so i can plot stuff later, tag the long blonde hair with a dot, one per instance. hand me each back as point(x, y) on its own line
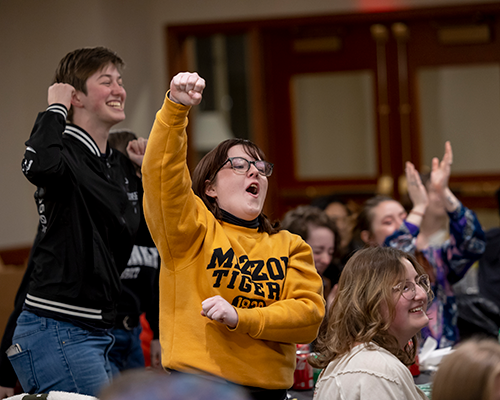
point(365, 288)
point(468, 373)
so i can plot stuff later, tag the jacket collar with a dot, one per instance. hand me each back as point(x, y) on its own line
point(81, 135)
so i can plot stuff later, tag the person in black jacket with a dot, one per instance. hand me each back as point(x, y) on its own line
point(88, 198)
point(140, 291)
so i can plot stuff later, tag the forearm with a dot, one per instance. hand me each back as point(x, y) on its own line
point(467, 238)
point(450, 201)
point(165, 176)
point(297, 316)
point(176, 217)
point(42, 157)
point(416, 215)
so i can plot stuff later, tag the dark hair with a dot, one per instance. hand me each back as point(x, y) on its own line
point(366, 283)
point(364, 219)
point(80, 64)
point(301, 218)
point(206, 171)
point(324, 201)
point(119, 139)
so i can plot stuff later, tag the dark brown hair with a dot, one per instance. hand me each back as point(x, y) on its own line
point(120, 138)
point(80, 64)
point(366, 284)
point(206, 171)
point(364, 219)
point(364, 223)
point(301, 218)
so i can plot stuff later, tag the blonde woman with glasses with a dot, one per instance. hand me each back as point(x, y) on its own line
point(371, 335)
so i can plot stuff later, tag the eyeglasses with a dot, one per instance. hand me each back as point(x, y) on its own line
point(409, 290)
point(241, 166)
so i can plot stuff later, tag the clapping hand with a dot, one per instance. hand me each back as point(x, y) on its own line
point(440, 174)
point(416, 190)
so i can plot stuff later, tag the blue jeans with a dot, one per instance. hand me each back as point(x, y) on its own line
point(57, 355)
point(126, 353)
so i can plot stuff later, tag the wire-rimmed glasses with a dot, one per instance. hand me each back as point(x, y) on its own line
point(409, 289)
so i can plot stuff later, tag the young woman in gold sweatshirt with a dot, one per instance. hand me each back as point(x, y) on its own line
point(236, 293)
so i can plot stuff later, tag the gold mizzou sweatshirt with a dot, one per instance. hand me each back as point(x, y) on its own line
point(270, 279)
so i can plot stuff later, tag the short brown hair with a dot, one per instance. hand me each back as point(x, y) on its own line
point(80, 64)
point(469, 372)
point(206, 171)
point(299, 219)
point(120, 138)
point(366, 283)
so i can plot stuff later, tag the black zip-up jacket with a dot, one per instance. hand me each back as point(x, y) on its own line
point(90, 208)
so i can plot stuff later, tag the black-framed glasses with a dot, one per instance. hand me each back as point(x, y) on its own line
point(241, 166)
point(409, 289)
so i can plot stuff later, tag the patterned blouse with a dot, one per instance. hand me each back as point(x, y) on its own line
point(450, 261)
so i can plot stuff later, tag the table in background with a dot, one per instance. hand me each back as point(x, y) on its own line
point(300, 394)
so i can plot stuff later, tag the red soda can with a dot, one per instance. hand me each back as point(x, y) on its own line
point(415, 368)
point(303, 375)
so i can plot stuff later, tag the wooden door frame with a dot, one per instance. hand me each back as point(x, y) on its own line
point(177, 57)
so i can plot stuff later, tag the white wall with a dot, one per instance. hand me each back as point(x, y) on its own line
point(36, 34)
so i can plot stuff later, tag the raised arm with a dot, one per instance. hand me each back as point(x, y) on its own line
point(404, 238)
point(467, 239)
point(440, 177)
point(418, 195)
point(169, 203)
point(42, 159)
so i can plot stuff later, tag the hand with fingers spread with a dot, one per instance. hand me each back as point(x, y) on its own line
point(187, 88)
point(418, 194)
point(440, 176)
point(218, 309)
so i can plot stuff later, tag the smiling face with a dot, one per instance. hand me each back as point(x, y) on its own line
point(410, 315)
point(240, 195)
point(104, 102)
point(386, 218)
point(321, 239)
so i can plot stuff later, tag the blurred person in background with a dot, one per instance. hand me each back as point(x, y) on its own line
point(371, 334)
point(320, 232)
point(470, 372)
point(384, 222)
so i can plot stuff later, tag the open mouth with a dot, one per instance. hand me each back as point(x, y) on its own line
point(416, 310)
point(253, 189)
